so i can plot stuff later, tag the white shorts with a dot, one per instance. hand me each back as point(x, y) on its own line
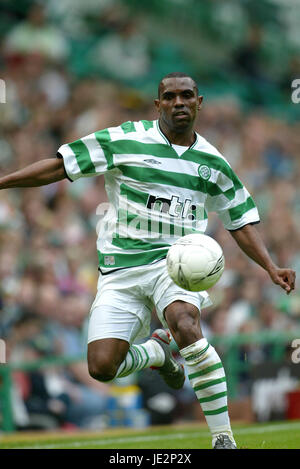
point(125, 299)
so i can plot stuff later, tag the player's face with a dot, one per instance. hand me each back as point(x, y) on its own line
point(178, 103)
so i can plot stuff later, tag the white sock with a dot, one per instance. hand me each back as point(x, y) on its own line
point(141, 356)
point(207, 377)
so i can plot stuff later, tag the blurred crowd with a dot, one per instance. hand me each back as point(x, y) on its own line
point(48, 258)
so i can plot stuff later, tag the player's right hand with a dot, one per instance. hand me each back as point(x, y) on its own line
point(285, 278)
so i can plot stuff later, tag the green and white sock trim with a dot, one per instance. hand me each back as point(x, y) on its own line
point(207, 377)
point(141, 356)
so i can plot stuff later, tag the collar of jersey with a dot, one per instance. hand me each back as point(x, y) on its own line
point(166, 140)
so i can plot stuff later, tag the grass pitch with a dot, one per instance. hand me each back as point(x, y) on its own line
point(281, 435)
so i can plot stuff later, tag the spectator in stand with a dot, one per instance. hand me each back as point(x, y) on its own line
point(36, 36)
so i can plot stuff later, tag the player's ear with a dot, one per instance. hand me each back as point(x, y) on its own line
point(200, 99)
point(157, 104)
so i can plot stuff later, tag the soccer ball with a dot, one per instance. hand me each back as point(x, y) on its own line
point(195, 262)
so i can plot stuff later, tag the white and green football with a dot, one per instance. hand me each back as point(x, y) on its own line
point(195, 262)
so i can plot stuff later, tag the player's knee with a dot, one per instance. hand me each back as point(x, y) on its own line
point(105, 357)
point(183, 320)
point(185, 325)
point(102, 370)
point(185, 317)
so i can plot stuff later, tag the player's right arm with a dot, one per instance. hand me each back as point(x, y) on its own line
point(86, 157)
point(37, 174)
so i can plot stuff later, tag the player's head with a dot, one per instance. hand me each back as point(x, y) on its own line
point(175, 75)
point(178, 102)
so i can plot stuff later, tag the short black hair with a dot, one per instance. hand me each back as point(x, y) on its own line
point(176, 75)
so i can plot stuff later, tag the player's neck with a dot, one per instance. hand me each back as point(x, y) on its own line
point(186, 138)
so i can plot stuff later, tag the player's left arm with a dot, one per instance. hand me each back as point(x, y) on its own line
point(251, 243)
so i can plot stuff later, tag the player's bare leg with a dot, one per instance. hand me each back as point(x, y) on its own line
point(105, 357)
point(183, 321)
point(116, 358)
point(205, 370)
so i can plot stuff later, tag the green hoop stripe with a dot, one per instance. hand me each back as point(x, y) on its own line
point(83, 157)
point(147, 356)
point(133, 360)
point(196, 355)
point(212, 398)
point(134, 194)
point(238, 211)
point(209, 383)
point(169, 178)
point(131, 244)
point(139, 356)
point(103, 138)
point(161, 177)
point(161, 150)
point(207, 370)
point(131, 260)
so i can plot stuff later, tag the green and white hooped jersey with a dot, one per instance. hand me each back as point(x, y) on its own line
point(155, 196)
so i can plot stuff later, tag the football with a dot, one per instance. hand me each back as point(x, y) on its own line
point(195, 262)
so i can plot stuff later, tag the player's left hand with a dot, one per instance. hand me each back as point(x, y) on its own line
point(285, 278)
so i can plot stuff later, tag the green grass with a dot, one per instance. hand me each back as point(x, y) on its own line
point(279, 435)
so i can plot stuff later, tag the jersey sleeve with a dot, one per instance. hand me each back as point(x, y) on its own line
point(88, 156)
point(232, 202)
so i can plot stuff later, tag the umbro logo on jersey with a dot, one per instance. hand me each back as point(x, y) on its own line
point(152, 161)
